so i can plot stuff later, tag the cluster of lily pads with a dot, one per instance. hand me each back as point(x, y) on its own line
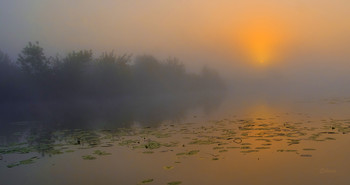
point(184, 140)
point(169, 183)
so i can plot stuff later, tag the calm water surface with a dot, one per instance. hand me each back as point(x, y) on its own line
point(237, 141)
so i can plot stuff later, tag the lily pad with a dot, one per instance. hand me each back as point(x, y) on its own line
point(23, 162)
point(174, 183)
point(203, 142)
point(152, 145)
point(128, 142)
point(168, 167)
point(99, 152)
point(146, 181)
point(249, 151)
point(88, 157)
point(148, 152)
point(192, 152)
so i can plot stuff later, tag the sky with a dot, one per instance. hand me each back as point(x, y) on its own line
point(265, 39)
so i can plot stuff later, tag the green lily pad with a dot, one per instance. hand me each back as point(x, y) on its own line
point(249, 151)
point(174, 183)
point(99, 152)
point(305, 155)
point(23, 162)
point(88, 157)
point(146, 181)
point(192, 152)
point(128, 142)
point(245, 147)
point(168, 167)
point(152, 145)
point(148, 152)
point(203, 142)
point(262, 147)
point(244, 144)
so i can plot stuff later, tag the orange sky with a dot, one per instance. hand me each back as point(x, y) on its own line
point(224, 32)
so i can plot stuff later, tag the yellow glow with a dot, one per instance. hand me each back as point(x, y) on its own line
point(252, 33)
point(262, 40)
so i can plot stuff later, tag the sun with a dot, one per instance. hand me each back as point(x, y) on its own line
point(261, 41)
point(260, 44)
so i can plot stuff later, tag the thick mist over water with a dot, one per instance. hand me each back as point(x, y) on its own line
point(261, 48)
point(79, 90)
point(264, 50)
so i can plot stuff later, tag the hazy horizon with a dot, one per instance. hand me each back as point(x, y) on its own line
point(291, 45)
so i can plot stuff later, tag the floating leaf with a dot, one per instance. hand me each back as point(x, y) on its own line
point(88, 157)
point(203, 142)
point(174, 183)
point(153, 145)
point(23, 162)
point(249, 151)
point(262, 147)
point(192, 152)
point(146, 181)
point(168, 167)
point(99, 152)
point(306, 155)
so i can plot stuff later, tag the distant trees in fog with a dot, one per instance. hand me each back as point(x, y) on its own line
point(36, 77)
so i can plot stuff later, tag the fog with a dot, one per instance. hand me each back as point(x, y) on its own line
point(274, 49)
point(120, 89)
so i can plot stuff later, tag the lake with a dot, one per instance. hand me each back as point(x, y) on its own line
point(220, 141)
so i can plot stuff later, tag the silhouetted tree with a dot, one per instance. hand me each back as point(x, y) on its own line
point(112, 75)
point(71, 72)
point(32, 59)
point(76, 87)
point(80, 76)
point(4, 59)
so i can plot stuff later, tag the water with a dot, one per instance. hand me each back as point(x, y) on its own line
point(233, 141)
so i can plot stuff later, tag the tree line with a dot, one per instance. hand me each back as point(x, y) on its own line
point(79, 75)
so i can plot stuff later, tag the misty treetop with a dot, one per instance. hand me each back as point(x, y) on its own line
point(78, 75)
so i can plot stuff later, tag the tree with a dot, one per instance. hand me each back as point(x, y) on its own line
point(32, 60)
point(112, 74)
point(4, 59)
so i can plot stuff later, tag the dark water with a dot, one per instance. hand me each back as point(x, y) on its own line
point(217, 141)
